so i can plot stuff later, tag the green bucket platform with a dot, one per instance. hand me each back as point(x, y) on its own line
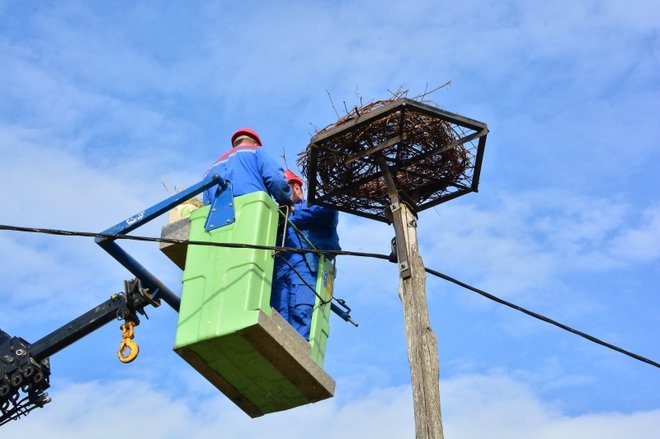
point(227, 330)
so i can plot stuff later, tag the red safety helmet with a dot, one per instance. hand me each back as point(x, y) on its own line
point(292, 178)
point(246, 132)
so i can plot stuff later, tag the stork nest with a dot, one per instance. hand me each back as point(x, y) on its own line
point(422, 151)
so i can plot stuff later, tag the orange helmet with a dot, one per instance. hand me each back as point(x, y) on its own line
point(292, 178)
point(246, 132)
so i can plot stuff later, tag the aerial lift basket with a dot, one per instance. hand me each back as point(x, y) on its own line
point(227, 330)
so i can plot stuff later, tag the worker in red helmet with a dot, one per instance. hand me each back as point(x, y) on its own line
point(294, 277)
point(245, 132)
point(248, 169)
point(296, 184)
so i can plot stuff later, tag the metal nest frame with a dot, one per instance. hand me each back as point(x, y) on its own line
point(430, 155)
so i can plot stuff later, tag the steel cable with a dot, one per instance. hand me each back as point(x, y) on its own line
point(338, 253)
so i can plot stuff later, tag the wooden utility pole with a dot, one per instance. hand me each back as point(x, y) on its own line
point(420, 339)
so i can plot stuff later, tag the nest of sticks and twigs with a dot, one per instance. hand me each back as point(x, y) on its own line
point(421, 150)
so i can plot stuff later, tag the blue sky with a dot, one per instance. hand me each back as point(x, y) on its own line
point(102, 104)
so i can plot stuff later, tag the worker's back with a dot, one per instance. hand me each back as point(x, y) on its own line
point(249, 170)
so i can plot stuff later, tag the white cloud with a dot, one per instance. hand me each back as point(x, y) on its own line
point(523, 241)
point(101, 410)
point(494, 244)
point(48, 186)
point(497, 406)
point(474, 406)
point(641, 242)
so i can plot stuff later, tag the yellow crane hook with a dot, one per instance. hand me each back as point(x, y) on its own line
point(128, 349)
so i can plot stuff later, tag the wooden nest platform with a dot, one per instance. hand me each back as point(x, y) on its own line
point(432, 155)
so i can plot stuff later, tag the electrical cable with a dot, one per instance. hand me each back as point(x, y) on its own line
point(337, 253)
point(60, 232)
point(542, 317)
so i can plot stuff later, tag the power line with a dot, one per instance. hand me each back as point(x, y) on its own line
point(542, 318)
point(336, 253)
point(60, 232)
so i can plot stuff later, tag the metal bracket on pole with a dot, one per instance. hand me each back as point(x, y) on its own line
point(401, 245)
point(393, 211)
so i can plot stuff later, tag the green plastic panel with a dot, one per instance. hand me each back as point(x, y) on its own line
point(320, 328)
point(223, 287)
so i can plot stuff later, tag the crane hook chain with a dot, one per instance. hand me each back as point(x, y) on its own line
point(128, 349)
